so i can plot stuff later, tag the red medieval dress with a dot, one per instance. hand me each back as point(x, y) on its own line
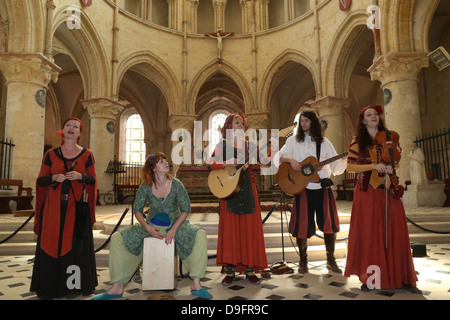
point(64, 238)
point(240, 236)
point(379, 251)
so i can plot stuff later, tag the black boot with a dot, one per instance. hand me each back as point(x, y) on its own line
point(330, 240)
point(303, 246)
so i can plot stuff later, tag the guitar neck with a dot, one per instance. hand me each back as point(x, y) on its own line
point(325, 162)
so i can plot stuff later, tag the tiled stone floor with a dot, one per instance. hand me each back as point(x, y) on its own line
point(319, 284)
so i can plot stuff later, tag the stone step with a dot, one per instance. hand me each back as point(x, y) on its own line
point(23, 243)
point(439, 226)
point(274, 255)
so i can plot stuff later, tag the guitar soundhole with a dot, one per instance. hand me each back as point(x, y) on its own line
point(232, 172)
point(307, 170)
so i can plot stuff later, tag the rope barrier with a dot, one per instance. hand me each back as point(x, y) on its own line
point(18, 229)
point(426, 229)
point(209, 256)
point(114, 230)
point(97, 250)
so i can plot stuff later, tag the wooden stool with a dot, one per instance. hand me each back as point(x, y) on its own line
point(159, 265)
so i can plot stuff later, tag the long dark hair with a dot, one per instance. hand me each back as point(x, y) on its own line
point(316, 130)
point(363, 137)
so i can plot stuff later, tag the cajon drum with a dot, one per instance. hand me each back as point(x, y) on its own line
point(158, 265)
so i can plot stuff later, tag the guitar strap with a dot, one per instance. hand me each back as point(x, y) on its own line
point(244, 201)
point(325, 183)
point(318, 151)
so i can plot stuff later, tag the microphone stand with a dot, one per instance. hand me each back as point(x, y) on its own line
point(281, 202)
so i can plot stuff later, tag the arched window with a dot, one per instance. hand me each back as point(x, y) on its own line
point(135, 146)
point(216, 122)
point(296, 119)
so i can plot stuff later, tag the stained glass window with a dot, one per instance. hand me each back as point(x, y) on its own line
point(135, 146)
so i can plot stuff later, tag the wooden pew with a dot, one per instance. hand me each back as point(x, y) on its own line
point(23, 198)
point(345, 190)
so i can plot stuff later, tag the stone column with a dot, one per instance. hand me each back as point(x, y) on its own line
point(331, 117)
point(219, 14)
point(192, 15)
point(182, 121)
point(27, 77)
point(245, 16)
point(397, 73)
point(102, 115)
point(264, 178)
point(48, 29)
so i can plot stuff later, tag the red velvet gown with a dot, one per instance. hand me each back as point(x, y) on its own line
point(378, 238)
point(241, 236)
point(59, 245)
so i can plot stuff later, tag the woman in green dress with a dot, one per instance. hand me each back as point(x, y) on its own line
point(166, 220)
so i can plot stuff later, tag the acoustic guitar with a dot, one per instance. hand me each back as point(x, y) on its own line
point(294, 182)
point(225, 183)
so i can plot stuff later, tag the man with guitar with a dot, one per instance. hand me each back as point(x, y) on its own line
point(318, 199)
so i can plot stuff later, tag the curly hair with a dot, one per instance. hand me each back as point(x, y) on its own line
point(316, 131)
point(148, 175)
point(363, 137)
point(229, 121)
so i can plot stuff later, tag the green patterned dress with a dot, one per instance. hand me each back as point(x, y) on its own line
point(176, 203)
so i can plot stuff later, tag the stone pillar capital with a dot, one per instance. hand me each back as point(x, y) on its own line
point(330, 106)
point(182, 121)
point(28, 67)
point(103, 108)
point(258, 120)
point(398, 66)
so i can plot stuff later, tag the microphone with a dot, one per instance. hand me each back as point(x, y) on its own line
point(70, 169)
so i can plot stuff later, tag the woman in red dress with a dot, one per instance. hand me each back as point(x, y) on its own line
point(240, 245)
point(379, 251)
point(64, 247)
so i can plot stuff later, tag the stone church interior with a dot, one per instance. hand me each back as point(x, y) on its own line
point(135, 72)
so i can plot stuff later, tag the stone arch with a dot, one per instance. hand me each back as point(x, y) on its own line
point(398, 16)
point(95, 72)
point(340, 49)
point(274, 67)
point(156, 71)
point(272, 79)
point(229, 71)
point(423, 16)
point(24, 16)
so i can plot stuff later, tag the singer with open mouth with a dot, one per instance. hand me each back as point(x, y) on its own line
point(64, 234)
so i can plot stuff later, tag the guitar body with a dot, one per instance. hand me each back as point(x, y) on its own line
point(226, 183)
point(294, 182)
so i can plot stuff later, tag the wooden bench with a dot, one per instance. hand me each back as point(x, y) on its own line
point(345, 190)
point(126, 190)
point(23, 200)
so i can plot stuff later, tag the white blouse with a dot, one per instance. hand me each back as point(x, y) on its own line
point(307, 148)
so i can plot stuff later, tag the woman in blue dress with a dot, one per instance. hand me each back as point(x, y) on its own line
point(166, 220)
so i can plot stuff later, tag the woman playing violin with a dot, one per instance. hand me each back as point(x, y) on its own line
point(378, 236)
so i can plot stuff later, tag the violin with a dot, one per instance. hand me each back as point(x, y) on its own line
point(390, 154)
